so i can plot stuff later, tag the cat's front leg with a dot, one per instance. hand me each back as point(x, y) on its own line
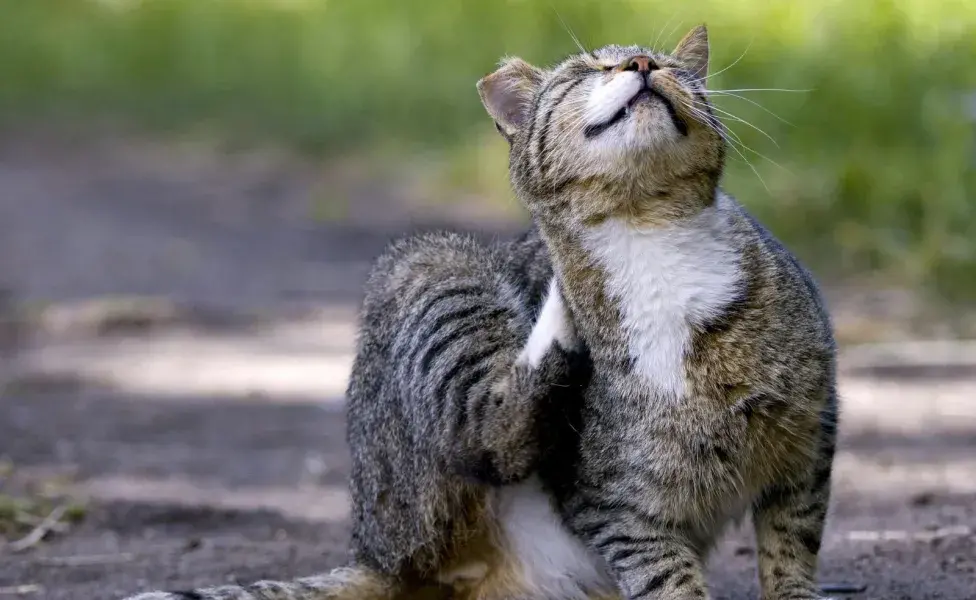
point(789, 522)
point(550, 370)
point(553, 331)
point(649, 558)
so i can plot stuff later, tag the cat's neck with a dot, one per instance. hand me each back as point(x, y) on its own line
point(638, 292)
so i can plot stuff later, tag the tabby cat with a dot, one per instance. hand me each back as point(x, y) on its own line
point(714, 386)
point(480, 471)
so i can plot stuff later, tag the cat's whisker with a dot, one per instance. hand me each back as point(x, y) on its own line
point(743, 145)
point(734, 146)
point(569, 30)
point(751, 166)
point(574, 125)
point(705, 117)
point(760, 90)
point(753, 102)
point(661, 31)
point(743, 121)
point(727, 135)
point(750, 149)
point(735, 62)
point(673, 29)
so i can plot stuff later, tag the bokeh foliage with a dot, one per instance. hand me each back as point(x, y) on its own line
point(877, 174)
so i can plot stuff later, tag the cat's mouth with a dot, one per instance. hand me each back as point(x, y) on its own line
point(645, 94)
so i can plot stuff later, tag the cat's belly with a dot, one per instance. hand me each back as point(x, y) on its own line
point(553, 562)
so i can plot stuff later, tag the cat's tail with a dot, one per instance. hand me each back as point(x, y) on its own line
point(346, 583)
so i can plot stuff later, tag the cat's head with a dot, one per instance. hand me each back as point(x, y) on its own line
point(608, 132)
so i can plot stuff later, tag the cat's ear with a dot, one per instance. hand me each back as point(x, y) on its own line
point(508, 92)
point(692, 50)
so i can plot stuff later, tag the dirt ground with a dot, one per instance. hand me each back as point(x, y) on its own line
point(202, 422)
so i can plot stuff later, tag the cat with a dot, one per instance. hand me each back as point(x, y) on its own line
point(707, 387)
point(713, 390)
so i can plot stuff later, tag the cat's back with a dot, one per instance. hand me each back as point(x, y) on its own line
point(441, 313)
point(423, 286)
point(418, 278)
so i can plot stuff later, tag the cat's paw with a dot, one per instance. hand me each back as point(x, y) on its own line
point(553, 328)
point(520, 411)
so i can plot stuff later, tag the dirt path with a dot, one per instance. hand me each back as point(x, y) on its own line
point(212, 447)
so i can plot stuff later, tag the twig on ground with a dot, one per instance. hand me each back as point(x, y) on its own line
point(33, 521)
point(39, 532)
point(84, 560)
point(892, 535)
point(21, 590)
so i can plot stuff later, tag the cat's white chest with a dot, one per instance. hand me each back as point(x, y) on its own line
point(665, 281)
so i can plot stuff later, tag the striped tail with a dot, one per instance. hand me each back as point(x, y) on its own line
point(347, 583)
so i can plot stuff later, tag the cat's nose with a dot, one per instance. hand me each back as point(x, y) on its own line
point(640, 63)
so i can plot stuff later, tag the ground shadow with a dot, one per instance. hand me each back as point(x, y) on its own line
point(230, 444)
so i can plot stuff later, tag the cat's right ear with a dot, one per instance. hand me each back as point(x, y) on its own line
point(508, 92)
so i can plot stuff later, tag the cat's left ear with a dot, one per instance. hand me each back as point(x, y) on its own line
point(508, 92)
point(692, 50)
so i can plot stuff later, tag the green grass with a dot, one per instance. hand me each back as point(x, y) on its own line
point(27, 509)
point(878, 163)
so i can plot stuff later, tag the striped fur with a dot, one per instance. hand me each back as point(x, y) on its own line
point(437, 404)
point(350, 583)
point(480, 472)
point(713, 389)
point(445, 424)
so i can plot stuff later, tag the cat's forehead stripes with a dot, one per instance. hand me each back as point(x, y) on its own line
point(620, 52)
point(612, 55)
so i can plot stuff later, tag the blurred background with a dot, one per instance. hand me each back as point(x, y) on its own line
point(192, 191)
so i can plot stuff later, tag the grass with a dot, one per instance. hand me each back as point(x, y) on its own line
point(878, 160)
point(31, 513)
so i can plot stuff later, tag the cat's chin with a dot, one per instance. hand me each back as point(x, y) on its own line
point(638, 140)
point(647, 128)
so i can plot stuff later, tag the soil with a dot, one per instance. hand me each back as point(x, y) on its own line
point(202, 421)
